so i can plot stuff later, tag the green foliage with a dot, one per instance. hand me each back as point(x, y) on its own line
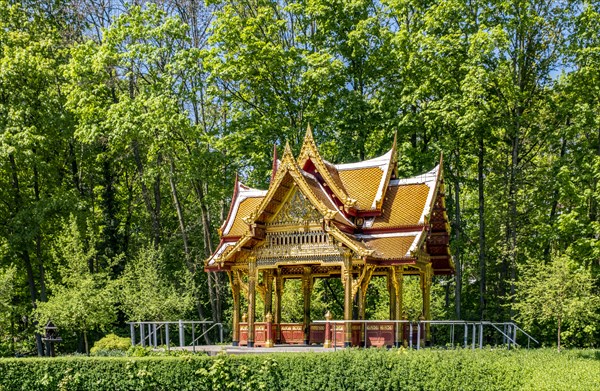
point(81, 301)
point(7, 283)
point(149, 291)
point(371, 369)
point(135, 120)
point(109, 344)
point(559, 293)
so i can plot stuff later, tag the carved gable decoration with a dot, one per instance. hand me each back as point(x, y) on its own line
point(297, 211)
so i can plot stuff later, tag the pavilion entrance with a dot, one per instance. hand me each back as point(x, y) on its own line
point(271, 330)
point(318, 220)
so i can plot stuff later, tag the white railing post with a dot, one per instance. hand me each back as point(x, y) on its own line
point(181, 334)
point(167, 336)
point(132, 331)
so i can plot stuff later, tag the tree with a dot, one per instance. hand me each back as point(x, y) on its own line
point(80, 300)
point(149, 290)
point(560, 293)
point(7, 286)
point(34, 137)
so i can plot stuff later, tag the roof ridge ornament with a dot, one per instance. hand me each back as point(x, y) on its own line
point(309, 132)
point(310, 151)
point(236, 190)
point(395, 153)
point(390, 170)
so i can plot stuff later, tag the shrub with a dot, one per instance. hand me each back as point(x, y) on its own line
point(111, 345)
point(366, 370)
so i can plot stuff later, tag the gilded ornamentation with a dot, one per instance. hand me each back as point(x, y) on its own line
point(310, 150)
point(297, 211)
point(297, 247)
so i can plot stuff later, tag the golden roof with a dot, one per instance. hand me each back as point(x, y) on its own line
point(395, 247)
point(362, 184)
point(394, 213)
point(245, 208)
point(403, 206)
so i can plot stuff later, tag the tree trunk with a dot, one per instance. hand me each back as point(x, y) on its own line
point(127, 234)
point(87, 347)
point(554, 204)
point(146, 194)
point(25, 253)
point(157, 198)
point(38, 236)
point(512, 209)
point(482, 249)
point(179, 210)
point(74, 169)
point(457, 254)
point(213, 281)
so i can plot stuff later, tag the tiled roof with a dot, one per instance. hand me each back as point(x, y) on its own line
point(403, 205)
point(362, 184)
point(335, 176)
point(396, 212)
point(395, 247)
point(245, 208)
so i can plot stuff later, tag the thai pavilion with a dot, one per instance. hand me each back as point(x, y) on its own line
point(323, 220)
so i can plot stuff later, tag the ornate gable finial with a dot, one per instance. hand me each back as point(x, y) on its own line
point(395, 154)
point(287, 151)
point(309, 148)
point(309, 133)
point(236, 189)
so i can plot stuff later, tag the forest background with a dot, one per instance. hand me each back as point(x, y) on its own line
point(123, 126)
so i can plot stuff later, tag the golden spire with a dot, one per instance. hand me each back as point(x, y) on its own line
point(309, 133)
point(287, 150)
point(395, 154)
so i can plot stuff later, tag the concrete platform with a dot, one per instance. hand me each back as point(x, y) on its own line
point(213, 350)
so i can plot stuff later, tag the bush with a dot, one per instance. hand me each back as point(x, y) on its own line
point(111, 345)
point(373, 369)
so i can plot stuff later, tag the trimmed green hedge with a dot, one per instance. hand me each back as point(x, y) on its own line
point(345, 370)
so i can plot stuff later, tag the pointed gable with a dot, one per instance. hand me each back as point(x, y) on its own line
point(310, 160)
point(289, 176)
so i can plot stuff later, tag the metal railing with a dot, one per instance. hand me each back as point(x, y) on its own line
point(151, 331)
point(508, 331)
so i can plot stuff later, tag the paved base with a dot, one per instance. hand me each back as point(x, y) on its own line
point(212, 350)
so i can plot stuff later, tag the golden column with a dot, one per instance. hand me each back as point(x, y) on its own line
point(306, 288)
point(252, 277)
point(392, 293)
point(347, 281)
point(426, 275)
point(268, 284)
point(398, 281)
point(278, 294)
point(235, 290)
point(362, 290)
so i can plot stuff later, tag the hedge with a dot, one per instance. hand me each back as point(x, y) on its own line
point(344, 370)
